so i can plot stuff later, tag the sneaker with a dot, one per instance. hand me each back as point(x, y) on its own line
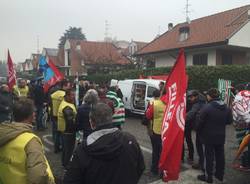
point(205, 179)
point(241, 168)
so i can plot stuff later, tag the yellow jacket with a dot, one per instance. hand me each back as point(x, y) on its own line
point(56, 98)
point(159, 108)
point(16, 152)
point(21, 92)
point(61, 125)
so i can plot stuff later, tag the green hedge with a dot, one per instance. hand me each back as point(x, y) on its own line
point(200, 77)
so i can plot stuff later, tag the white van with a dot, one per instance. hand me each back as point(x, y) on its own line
point(137, 93)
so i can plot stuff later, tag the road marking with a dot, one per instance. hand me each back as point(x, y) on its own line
point(146, 149)
point(45, 138)
point(46, 149)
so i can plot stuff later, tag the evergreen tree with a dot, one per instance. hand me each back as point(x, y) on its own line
point(73, 33)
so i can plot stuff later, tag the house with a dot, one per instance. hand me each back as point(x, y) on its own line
point(52, 55)
point(88, 57)
point(30, 64)
point(219, 39)
point(128, 49)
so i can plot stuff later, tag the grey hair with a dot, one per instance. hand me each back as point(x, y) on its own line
point(101, 114)
point(91, 97)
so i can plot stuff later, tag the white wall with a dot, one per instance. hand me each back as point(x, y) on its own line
point(66, 48)
point(241, 38)
point(163, 60)
point(211, 58)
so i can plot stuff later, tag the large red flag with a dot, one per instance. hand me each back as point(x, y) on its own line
point(174, 120)
point(11, 72)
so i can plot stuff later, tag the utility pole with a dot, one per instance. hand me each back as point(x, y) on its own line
point(106, 30)
point(187, 11)
point(38, 51)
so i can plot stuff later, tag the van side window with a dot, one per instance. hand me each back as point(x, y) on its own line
point(150, 91)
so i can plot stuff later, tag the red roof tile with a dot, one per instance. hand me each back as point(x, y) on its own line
point(99, 52)
point(207, 30)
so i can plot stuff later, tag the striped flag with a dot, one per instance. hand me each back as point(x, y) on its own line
point(11, 72)
point(224, 86)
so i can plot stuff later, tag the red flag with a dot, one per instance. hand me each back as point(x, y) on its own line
point(174, 120)
point(11, 72)
point(53, 77)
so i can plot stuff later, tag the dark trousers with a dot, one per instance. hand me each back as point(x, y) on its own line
point(200, 151)
point(190, 145)
point(156, 152)
point(56, 135)
point(68, 147)
point(216, 151)
point(39, 117)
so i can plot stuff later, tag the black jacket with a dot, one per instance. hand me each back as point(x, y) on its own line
point(114, 158)
point(213, 119)
point(194, 111)
point(82, 119)
point(69, 117)
point(38, 95)
point(6, 105)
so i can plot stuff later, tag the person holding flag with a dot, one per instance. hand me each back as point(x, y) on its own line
point(172, 133)
point(155, 113)
point(51, 77)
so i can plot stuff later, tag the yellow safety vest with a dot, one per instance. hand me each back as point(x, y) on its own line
point(60, 117)
point(21, 92)
point(13, 160)
point(159, 108)
point(57, 98)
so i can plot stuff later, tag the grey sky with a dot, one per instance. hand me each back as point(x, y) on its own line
point(22, 20)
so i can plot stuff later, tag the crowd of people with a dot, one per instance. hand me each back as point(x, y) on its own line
point(104, 148)
point(106, 154)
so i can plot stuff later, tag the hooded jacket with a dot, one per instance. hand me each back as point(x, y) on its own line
point(6, 103)
point(35, 163)
point(213, 119)
point(194, 111)
point(108, 156)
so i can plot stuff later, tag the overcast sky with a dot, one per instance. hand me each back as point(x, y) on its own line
point(22, 21)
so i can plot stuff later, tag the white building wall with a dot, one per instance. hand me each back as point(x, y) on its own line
point(211, 58)
point(189, 59)
point(164, 60)
point(241, 38)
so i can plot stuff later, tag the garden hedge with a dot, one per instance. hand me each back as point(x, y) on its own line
point(200, 77)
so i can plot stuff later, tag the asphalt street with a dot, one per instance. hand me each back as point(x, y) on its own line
point(187, 175)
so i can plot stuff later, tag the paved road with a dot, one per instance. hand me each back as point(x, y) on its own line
point(187, 175)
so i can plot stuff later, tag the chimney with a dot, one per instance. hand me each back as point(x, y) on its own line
point(170, 26)
point(248, 13)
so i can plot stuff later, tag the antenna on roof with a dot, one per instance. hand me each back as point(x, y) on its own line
point(187, 11)
point(38, 51)
point(107, 38)
point(159, 32)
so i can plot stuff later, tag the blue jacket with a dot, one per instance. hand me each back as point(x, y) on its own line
point(213, 119)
